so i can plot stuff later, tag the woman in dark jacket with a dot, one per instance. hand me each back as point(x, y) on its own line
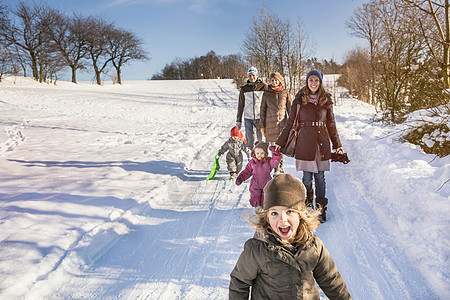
point(317, 128)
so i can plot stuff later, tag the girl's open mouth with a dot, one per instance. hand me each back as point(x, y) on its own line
point(284, 230)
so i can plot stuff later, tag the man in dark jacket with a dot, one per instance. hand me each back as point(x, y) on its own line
point(249, 105)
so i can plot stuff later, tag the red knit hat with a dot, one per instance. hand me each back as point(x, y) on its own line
point(236, 132)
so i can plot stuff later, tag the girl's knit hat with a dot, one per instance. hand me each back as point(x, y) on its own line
point(277, 76)
point(262, 145)
point(253, 69)
point(314, 72)
point(285, 190)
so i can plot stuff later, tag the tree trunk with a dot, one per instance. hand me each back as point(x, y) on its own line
point(97, 75)
point(119, 76)
point(74, 74)
point(34, 67)
point(446, 63)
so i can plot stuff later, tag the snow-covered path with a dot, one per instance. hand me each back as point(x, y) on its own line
point(102, 196)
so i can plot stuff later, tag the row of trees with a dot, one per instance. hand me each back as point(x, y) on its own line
point(208, 66)
point(47, 41)
point(406, 64)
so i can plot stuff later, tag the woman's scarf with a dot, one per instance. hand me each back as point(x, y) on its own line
point(314, 99)
point(276, 88)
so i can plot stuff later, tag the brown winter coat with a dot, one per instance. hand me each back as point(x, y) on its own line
point(310, 136)
point(275, 272)
point(274, 112)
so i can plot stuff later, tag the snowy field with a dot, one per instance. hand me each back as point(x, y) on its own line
point(102, 196)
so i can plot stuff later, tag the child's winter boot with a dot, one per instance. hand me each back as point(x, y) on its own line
point(321, 203)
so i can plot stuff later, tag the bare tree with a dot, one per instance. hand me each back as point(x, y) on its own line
point(300, 50)
point(69, 35)
point(356, 73)
point(439, 13)
point(234, 66)
point(123, 46)
point(4, 52)
point(281, 39)
point(365, 24)
point(258, 44)
point(27, 33)
point(99, 35)
point(398, 51)
point(209, 65)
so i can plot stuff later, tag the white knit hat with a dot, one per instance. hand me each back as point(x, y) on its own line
point(253, 69)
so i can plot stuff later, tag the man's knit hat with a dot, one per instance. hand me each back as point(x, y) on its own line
point(314, 72)
point(285, 190)
point(277, 76)
point(253, 69)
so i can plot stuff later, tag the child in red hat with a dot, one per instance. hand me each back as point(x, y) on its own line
point(234, 145)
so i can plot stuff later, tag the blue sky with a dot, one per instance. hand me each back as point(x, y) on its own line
point(191, 28)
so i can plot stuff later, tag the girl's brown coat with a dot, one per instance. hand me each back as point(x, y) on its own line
point(274, 109)
point(274, 272)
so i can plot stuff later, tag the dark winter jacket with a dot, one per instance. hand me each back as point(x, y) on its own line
point(234, 148)
point(250, 97)
point(318, 127)
point(274, 112)
point(273, 271)
point(259, 170)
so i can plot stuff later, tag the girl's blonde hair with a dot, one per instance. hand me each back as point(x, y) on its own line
point(308, 223)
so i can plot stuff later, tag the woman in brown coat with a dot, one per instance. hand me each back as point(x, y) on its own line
point(284, 259)
point(275, 105)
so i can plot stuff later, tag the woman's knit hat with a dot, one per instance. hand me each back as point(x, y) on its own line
point(314, 72)
point(285, 190)
point(253, 69)
point(277, 76)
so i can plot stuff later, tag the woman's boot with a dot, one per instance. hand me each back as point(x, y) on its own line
point(309, 199)
point(321, 203)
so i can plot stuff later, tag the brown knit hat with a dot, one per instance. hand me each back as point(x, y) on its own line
point(276, 75)
point(261, 145)
point(285, 190)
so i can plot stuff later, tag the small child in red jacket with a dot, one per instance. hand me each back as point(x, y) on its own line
point(260, 168)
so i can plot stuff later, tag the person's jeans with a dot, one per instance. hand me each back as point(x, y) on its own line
point(251, 125)
point(319, 180)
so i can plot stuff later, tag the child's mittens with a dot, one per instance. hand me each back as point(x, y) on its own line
point(274, 150)
point(238, 181)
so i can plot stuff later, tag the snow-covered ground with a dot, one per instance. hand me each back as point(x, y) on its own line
point(102, 196)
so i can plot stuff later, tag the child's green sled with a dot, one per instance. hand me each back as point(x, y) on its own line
point(215, 168)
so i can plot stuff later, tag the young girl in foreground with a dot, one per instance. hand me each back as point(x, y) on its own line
point(284, 258)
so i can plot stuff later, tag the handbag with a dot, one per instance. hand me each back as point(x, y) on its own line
point(291, 143)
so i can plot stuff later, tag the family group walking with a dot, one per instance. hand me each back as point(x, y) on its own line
point(285, 258)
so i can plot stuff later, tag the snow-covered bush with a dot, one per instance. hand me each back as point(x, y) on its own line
point(430, 130)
